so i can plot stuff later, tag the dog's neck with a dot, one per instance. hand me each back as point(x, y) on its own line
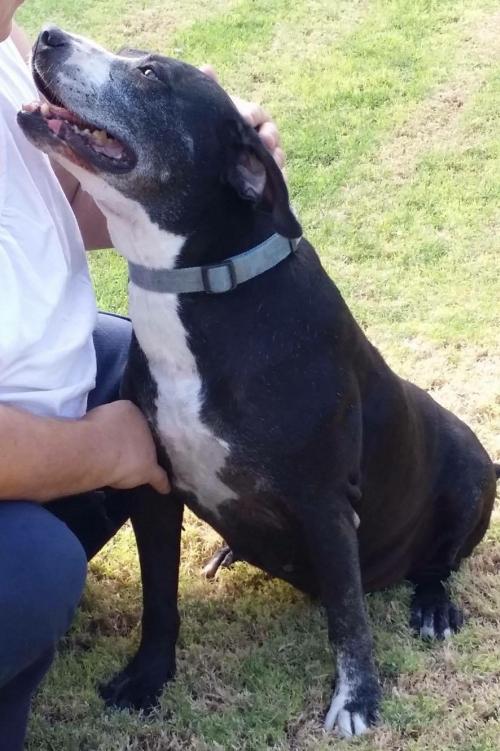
point(227, 230)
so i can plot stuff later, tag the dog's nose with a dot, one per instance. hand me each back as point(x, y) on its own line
point(52, 36)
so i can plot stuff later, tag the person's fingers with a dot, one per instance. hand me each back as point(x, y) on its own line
point(209, 71)
point(256, 115)
point(279, 157)
point(159, 481)
point(252, 113)
point(269, 135)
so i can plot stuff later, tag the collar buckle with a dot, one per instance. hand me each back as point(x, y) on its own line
point(215, 282)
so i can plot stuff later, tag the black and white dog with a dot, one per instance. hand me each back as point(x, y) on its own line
point(283, 426)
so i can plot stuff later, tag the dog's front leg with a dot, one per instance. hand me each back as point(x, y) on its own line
point(157, 522)
point(331, 532)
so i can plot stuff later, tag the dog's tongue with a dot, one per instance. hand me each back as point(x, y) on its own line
point(55, 125)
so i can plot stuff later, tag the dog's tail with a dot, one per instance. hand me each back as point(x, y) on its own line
point(496, 467)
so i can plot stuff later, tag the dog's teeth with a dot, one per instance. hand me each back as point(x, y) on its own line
point(45, 109)
point(100, 137)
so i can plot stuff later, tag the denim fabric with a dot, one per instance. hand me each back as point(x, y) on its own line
point(43, 559)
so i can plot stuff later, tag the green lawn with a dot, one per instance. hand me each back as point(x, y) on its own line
point(389, 113)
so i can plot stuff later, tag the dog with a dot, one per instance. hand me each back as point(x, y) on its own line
point(280, 424)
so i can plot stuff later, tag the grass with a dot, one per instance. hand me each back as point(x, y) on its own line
point(389, 115)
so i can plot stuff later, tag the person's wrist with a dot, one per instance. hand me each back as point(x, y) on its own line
point(101, 449)
point(123, 448)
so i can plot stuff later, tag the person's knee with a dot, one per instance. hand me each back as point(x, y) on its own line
point(42, 574)
point(53, 573)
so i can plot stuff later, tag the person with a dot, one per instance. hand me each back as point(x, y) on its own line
point(65, 434)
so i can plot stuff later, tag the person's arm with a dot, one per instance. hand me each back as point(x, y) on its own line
point(20, 39)
point(91, 220)
point(42, 458)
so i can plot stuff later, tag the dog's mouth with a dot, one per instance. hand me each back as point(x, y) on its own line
point(91, 144)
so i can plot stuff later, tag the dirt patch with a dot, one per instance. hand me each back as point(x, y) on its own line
point(465, 380)
point(142, 23)
point(435, 122)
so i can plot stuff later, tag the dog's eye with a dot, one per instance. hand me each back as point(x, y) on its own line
point(149, 72)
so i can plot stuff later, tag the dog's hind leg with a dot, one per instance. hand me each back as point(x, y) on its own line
point(157, 522)
point(463, 519)
point(432, 614)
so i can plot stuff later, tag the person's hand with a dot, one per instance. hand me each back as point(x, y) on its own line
point(258, 118)
point(127, 449)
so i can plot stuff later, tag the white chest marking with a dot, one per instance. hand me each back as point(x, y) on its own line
point(197, 454)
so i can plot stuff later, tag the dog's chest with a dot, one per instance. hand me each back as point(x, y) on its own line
point(196, 453)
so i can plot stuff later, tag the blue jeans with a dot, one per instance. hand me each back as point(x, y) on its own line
point(43, 559)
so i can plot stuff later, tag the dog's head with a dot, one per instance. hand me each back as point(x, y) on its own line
point(158, 131)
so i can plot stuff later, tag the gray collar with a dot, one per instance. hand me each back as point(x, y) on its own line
point(220, 277)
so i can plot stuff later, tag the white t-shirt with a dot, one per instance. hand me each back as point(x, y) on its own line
point(47, 304)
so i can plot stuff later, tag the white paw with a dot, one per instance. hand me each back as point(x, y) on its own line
point(359, 692)
point(428, 630)
point(347, 723)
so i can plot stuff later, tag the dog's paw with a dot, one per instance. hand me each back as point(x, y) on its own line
point(136, 687)
point(347, 723)
point(354, 710)
point(223, 558)
point(433, 615)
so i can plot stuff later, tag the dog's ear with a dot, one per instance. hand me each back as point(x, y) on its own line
point(255, 176)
